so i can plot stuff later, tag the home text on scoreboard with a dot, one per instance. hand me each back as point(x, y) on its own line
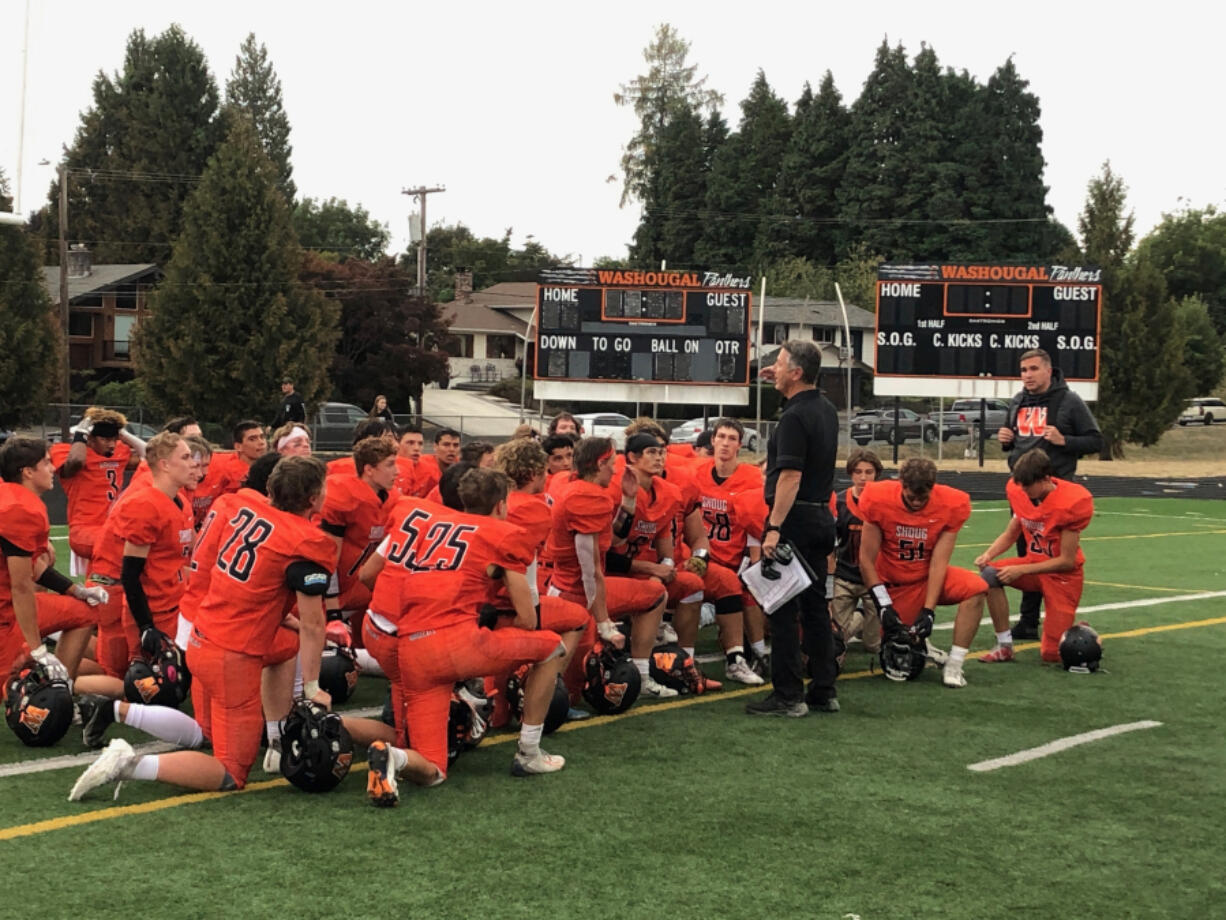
point(972, 323)
point(674, 327)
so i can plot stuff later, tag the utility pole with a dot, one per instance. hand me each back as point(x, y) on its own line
point(67, 360)
point(420, 194)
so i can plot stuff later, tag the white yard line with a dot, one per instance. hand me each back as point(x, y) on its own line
point(1127, 605)
point(1060, 744)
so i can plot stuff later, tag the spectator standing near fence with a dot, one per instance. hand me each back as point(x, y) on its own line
point(293, 409)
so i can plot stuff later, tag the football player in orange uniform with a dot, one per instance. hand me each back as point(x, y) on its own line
point(408, 460)
point(91, 471)
point(269, 556)
point(910, 527)
point(26, 615)
point(431, 467)
point(1050, 513)
point(438, 569)
point(292, 440)
point(586, 523)
point(227, 470)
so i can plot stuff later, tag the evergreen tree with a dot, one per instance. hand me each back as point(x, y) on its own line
point(139, 151)
point(333, 227)
point(743, 180)
point(231, 318)
point(1190, 248)
point(30, 336)
point(1205, 352)
point(875, 175)
point(805, 204)
point(672, 208)
point(670, 86)
point(1143, 381)
point(255, 89)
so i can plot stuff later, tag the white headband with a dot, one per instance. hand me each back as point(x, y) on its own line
point(294, 433)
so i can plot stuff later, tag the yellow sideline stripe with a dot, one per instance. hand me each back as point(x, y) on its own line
point(1116, 584)
point(105, 814)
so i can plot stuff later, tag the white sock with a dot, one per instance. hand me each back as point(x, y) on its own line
point(298, 684)
point(530, 738)
point(367, 664)
point(398, 758)
point(735, 650)
point(1005, 638)
point(145, 768)
point(642, 665)
point(759, 647)
point(274, 731)
point(688, 649)
point(165, 724)
point(957, 655)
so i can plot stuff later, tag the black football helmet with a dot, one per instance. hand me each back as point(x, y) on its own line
point(672, 666)
point(611, 681)
point(37, 708)
point(316, 750)
point(468, 722)
point(559, 706)
point(338, 672)
point(1081, 649)
point(900, 660)
point(159, 680)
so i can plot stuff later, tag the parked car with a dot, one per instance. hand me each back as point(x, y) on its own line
point(962, 418)
point(605, 425)
point(1203, 411)
point(140, 429)
point(878, 425)
point(332, 426)
point(688, 432)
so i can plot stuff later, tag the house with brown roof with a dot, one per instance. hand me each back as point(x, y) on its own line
point(105, 304)
point(488, 329)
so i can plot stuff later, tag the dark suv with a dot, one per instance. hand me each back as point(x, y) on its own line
point(878, 425)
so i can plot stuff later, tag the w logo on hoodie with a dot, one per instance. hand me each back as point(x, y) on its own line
point(1031, 421)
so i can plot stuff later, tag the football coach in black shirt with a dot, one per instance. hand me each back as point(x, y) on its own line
point(799, 477)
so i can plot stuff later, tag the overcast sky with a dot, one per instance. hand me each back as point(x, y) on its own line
point(510, 105)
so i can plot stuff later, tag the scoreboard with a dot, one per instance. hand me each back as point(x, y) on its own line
point(644, 327)
point(960, 330)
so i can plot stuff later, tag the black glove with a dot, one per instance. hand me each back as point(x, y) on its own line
point(487, 617)
point(891, 622)
point(922, 627)
point(151, 641)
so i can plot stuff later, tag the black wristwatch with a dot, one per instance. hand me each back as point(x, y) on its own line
point(769, 527)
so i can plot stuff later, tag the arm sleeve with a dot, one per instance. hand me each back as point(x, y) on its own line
point(307, 578)
point(791, 443)
point(585, 548)
point(134, 591)
point(11, 549)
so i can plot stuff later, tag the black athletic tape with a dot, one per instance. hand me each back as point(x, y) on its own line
point(730, 604)
point(54, 581)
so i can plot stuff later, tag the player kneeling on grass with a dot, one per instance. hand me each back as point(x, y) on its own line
point(910, 527)
point(440, 567)
point(1050, 513)
point(267, 558)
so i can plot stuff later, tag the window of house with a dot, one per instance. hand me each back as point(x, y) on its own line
point(500, 346)
point(460, 346)
point(80, 323)
point(123, 335)
point(823, 334)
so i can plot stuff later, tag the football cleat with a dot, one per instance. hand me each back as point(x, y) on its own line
point(97, 715)
point(113, 765)
point(740, 671)
point(272, 757)
point(952, 676)
point(998, 654)
point(381, 786)
point(937, 656)
point(535, 764)
point(773, 705)
point(657, 690)
point(1025, 631)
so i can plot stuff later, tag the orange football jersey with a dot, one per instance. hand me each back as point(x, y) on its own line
point(225, 476)
point(579, 507)
point(94, 488)
point(435, 565)
point(732, 510)
point(354, 505)
point(148, 517)
point(655, 514)
point(1069, 507)
point(24, 523)
point(204, 553)
point(250, 590)
point(908, 537)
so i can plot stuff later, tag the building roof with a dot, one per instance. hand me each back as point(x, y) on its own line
point(101, 277)
point(805, 312)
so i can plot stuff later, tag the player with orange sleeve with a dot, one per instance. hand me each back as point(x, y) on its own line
point(1050, 513)
point(354, 516)
point(228, 469)
point(586, 523)
point(269, 557)
point(910, 527)
point(430, 467)
point(91, 471)
point(26, 616)
point(155, 526)
point(436, 570)
point(408, 459)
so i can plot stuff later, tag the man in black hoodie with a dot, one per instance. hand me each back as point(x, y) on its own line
point(1048, 415)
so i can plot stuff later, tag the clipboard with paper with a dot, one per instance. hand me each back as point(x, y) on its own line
point(774, 582)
